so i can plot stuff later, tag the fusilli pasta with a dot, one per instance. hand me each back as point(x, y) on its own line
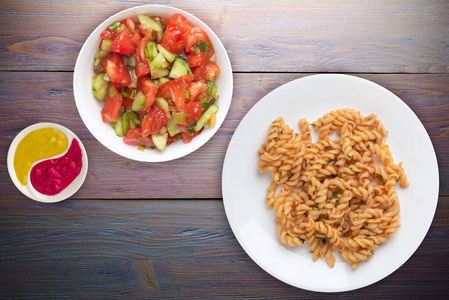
point(333, 194)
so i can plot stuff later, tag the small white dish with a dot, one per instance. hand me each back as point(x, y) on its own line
point(244, 188)
point(90, 109)
point(28, 189)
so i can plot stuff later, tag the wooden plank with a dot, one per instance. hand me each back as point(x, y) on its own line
point(260, 36)
point(33, 97)
point(105, 249)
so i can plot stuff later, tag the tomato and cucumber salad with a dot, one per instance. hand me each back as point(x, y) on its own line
point(157, 78)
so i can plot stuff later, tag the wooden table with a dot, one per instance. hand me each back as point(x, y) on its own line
point(159, 230)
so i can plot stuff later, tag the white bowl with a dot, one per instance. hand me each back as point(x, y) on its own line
point(90, 109)
point(28, 189)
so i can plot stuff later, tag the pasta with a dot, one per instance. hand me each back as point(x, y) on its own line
point(333, 194)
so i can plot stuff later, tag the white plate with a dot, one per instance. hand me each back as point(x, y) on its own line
point(28, 189)
point(244, 189)
point(90, 109)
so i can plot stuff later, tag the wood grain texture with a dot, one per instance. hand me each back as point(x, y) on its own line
point(260, 36)
point(33, 97)
point(159, 230)
point(179, 249)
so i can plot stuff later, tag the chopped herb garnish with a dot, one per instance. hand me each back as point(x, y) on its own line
point(398, 178)
point(114, 26)
point(206, 104)
point(312, 124)
point(316, 206)
point(203, 46)
point(380, 178)
point(191, 128)
point(121, 112)
point(334, 195)
point(210, 82)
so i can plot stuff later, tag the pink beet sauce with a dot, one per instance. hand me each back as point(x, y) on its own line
point(52, 176)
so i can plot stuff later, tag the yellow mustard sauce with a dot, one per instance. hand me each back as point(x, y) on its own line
point(36, 145)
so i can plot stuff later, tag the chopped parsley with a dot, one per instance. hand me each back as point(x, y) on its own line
point(203, 46)
point(191, 128)
point(334, 195)
point(380, 178)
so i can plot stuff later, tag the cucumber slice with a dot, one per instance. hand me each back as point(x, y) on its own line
point(160, 62)
point(132, 73)
point(163, 80)
point(206, 117)
point(163, 104)
point(151, 50)
point(106, 45)
point(173, 128)
point(132, 61)
point(133, 120)
point(159, 33)
point(100, 54)
point(212, 90)
point(118, 127)
point(180, 68)
point(160, 140)
point(138, 102)
point(148, 22)
point(179, 118)
point(167, 54)
point(125, 122)
point(156, 72)
point(99, 87)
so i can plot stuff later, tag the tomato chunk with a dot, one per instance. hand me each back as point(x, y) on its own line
point(173, 38)
point(195, 36)
point(154, 121)
point(107, 34)
point(125, 42)
point(212, 71)
point(207, 71)
point(175, 91)
point(142, 66)
point(111, 108)
point(187, 138)
point(134, 138)
point(116, 69)
point(196, 88)
point(194, 112)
